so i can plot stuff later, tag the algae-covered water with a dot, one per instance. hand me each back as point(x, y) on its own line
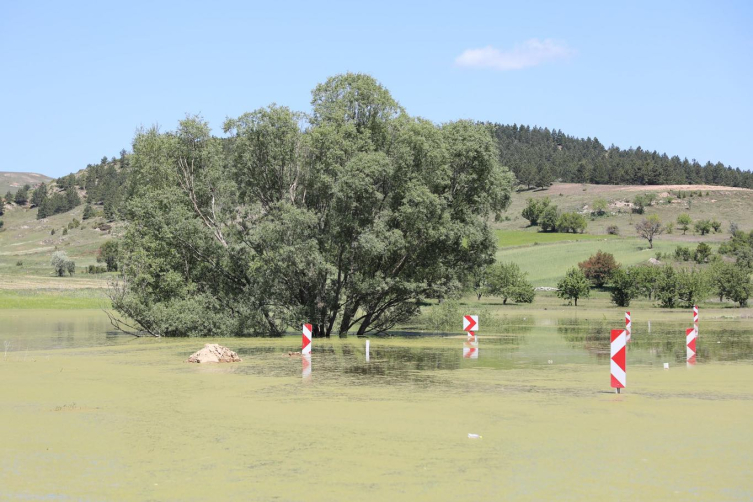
point(86, 414)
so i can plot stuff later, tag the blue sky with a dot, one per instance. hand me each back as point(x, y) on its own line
point(77, 79)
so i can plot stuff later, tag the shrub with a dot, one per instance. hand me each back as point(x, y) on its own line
point(641, 201)
point(52, 232)
point(599, 268)
point(669, 227)
point(682, 253)
point(702, 252)
point(19, 263)
point(613, 230)
point(600, 207)
point(571, 222)
point(444, 317)
point(65, 231)
point(94, 269)
point(716, 225)
point(62, 264)
point(88, 212)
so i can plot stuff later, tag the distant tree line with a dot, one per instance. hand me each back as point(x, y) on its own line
point(539, 156)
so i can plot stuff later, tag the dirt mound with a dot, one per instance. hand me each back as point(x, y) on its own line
point(214, 353)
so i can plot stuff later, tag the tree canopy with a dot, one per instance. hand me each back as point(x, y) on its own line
point(346, 218)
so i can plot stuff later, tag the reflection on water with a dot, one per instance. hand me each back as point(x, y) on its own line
point(519, 342)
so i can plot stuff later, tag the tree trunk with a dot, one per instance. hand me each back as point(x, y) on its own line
point(576, 302)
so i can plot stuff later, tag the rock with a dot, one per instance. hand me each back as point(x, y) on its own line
point(214, 353)
point(654, 261)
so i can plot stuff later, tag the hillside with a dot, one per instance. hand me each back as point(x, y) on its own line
point(27, 244)
point(538, 156)
point(13, 181)
point(546, 256)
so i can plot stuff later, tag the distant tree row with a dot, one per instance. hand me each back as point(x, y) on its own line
point(671, 286)
point(539, 156)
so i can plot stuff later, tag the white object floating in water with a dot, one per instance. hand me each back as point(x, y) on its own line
point(473, 436)
point(666, 366)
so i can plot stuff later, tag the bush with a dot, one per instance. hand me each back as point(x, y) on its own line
point(599, 268)
point(19, 263)
point(104, 227)
point(641, 201)
point(571, 222)
point(445, 316)
point(613, 230)
point(65, 231)
point(52, 232)
point(600, 207)
point(94, 269)
point(62, 264)
point(669, 227)
point(702, 253)
point(682, 253)
point(88, 212)
point(716, 225)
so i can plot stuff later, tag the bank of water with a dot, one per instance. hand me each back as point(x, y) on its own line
point(86, 414)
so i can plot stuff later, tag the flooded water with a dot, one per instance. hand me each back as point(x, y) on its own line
point(86, 414)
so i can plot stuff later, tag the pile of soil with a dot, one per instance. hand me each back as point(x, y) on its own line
point(214, 353)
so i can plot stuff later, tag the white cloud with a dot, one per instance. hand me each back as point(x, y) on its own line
point(533, 52)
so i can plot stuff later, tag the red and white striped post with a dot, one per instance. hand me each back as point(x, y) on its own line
point(690, 338)
point(470, 347)
point(628, 325)
point(306, 353)
point(470, 324)
point(695, 319)
point(617, 359)
point(306, 340)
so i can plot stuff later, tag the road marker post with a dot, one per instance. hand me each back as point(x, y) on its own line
point(618, 369)
point(690, 349)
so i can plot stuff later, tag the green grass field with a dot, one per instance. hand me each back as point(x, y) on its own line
point(547, 264)
point(512, 238)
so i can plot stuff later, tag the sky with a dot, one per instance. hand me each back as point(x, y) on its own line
point(78, 79)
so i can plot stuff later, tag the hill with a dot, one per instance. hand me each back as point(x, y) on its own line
point(13, 181)
point(546, 256)
point(538, 156)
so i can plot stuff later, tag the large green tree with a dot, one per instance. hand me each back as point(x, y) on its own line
point(347, 218)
